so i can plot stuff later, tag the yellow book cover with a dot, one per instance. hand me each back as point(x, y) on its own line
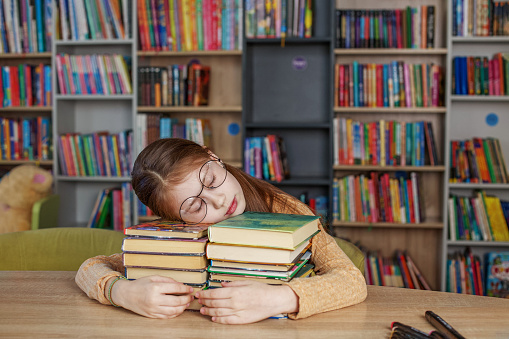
point(186, 18)
point(116, 155)
point(173, 26)
point(497, 220)
point(7, 140)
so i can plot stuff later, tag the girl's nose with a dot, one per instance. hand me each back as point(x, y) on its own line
point(213, 197)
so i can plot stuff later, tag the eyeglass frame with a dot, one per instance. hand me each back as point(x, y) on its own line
point(202, 187)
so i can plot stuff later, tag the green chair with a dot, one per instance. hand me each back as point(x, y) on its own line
point(56, 249)
point(353, 252)
point(45, 212)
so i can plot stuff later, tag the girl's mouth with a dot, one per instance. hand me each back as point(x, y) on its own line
point(233, 207)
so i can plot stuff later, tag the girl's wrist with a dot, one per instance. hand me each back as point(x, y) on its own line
point(288, 300)
point(113, 286)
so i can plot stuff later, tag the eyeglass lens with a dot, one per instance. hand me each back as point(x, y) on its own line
point(212, 175)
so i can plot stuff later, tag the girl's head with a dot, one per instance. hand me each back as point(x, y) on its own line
point(167, 172)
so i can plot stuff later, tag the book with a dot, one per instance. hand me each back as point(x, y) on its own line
point(182, 261)
point(216, 278)
point(285, 231)
point(167, 229)
point(497, 280)
point(164, 245)
point(228, 252)
point(186, 276)
point(286, 276)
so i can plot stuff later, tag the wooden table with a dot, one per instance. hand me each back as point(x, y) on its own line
point(50, 304)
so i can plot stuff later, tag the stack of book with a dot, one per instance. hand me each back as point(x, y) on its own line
point(167, 249)
point(265, 247)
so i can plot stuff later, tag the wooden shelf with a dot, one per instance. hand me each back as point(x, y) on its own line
point(425, 225)
point(26, 109)
point(94, 97)
point(43, 55)
point(92, 178)
point(193, 109)
point(288, 41)
point(24, 162)
point(480, 39)
point(478, 243)
point(188, 53)
point(303, 181)
point(479, 98)
point(105, 42)
point(478, 186)
point(416, 110)
point(389, 168)
point(390, 51)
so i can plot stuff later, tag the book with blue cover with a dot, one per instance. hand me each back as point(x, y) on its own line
point(497, 274)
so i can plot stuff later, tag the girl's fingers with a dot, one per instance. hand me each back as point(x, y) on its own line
point(217, 312)
point(176, 300)
point(216, 303)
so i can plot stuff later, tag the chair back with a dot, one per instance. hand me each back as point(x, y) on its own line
point(56, 249)
point(45, 212)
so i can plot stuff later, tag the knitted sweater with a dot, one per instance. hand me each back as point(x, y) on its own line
point(337, 283)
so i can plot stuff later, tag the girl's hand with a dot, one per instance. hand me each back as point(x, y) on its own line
point(153, 297)
point(243, 302)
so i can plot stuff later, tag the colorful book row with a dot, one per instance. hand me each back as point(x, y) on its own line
point(396, 84)
point(279, 19)
point(143, 211)
point(410, 27)
point(384, 143)
point(152, 127)
point(25, 26)
point(265, 158)
point(25, 85)
point(93, 74)
point(190, 25)
point(96, 154)
point(480, 75)
point(477, 160)
point(481, 217)
point(25, 138)
point(93, 20)
point(112, 208)
point(319, 204)
point(465, 273)
point(396, 271)
point(378, 198)
point(480, 17)
point(175, 85)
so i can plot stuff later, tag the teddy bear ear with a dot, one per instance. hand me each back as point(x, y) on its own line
point(39, 179)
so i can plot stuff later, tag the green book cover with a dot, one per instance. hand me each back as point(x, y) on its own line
point(418, 84)
point(22, 86)
point(150, 24)
point(105, 212)
point(90, 19)
point(489, 160)
point(261, 221)
point(199, 23)
point(88, 155)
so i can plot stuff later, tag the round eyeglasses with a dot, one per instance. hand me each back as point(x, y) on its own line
point(212, 175)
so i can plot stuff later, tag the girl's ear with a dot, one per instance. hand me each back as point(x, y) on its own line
point(212, 155)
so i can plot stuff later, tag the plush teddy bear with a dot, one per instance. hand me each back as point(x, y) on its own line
point(19, 190)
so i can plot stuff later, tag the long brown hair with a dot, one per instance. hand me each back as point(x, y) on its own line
point(167, 162)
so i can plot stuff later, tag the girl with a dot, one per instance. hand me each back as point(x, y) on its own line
point(181, 180)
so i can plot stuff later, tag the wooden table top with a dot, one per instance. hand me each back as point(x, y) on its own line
point(50, 304)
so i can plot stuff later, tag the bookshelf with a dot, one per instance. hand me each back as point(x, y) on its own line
point(468, 119)
point(423, 240)
point(22, 112)
point(86, 114)
point(294, 101)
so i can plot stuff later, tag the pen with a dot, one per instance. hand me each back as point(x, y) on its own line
point(437, 335)
point(398, 333)
point(408, 330)
point(442, 326)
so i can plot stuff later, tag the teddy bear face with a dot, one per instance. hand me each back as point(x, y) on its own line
point(23, 186)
